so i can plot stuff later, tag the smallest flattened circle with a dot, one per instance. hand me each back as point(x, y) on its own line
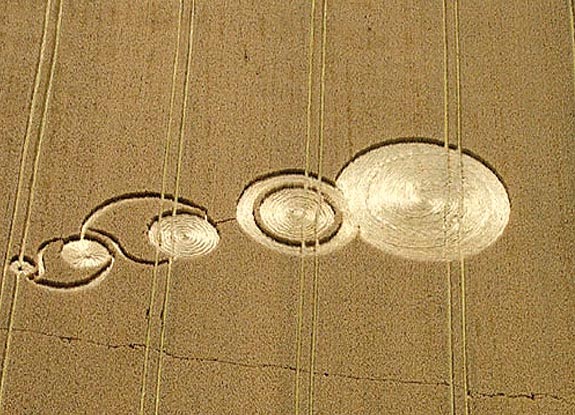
point(23, 267)
point(183, 235)
point(85, 254)
point(287, 211)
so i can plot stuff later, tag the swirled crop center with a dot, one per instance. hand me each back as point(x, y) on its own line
point(424, 202)
point(284, 212)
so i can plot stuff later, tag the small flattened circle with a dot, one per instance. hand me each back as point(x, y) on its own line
point(85, 253)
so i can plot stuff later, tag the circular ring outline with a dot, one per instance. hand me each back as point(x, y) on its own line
point(245, 213)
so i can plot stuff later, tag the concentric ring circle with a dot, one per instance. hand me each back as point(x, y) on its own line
point(411, 200)
point(284, 211)
point(290, 215)
point(184, 235)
